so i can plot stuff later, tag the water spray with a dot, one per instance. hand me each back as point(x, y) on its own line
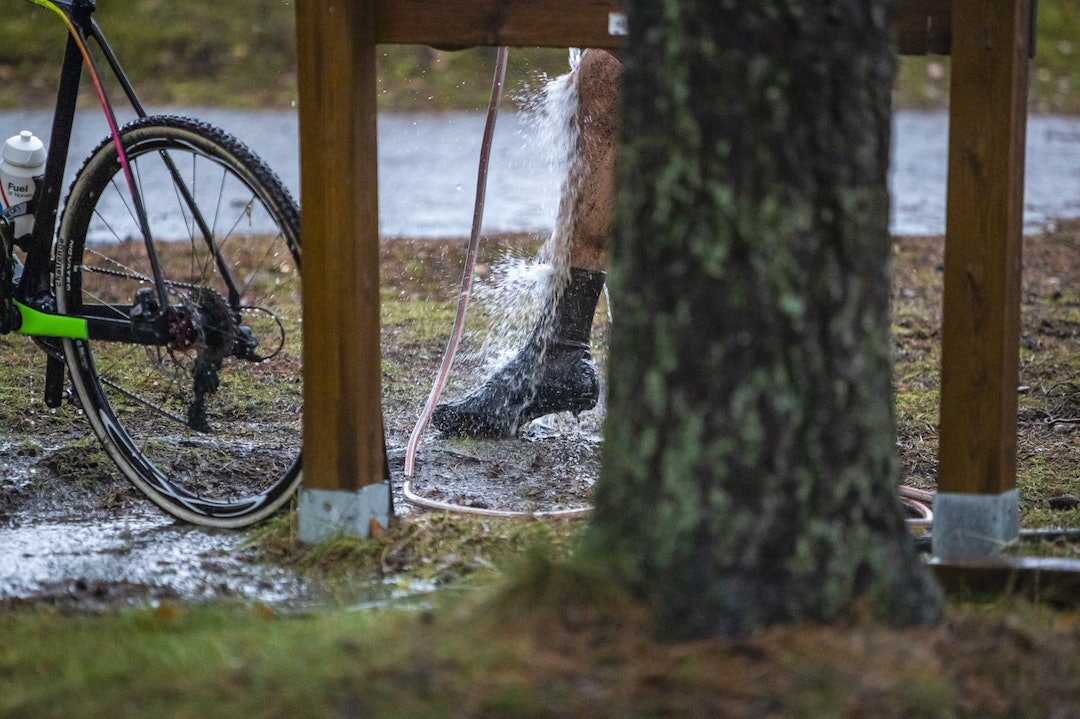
point(459, 322)
point(916, 501)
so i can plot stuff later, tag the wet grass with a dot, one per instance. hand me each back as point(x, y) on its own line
point(81, 463)
point(556, 643)
point(440, 547)
point(22, 384)
point(530, 633)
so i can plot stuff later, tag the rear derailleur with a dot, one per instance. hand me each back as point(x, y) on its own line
point(204, 322)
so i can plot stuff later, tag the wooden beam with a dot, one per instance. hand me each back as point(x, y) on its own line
point(922, 26)
point(513, 23)
point(1036, 579)
point(343, 439)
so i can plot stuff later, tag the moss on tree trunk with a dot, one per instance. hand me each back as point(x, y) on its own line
point(750, 466)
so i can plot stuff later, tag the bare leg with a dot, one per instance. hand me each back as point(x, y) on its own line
point(554, 372)
point(598, 77)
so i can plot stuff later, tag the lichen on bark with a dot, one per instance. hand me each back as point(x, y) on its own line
point(750, 465)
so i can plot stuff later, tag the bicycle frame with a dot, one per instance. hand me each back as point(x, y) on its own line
point(34, 294)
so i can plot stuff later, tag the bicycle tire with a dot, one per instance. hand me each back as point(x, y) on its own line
point(242, 462)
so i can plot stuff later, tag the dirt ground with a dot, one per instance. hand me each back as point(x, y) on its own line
point(551, 468)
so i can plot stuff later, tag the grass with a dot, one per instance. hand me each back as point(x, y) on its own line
point(554, 644)
point(232, 665)
point(245, 57)
point(443, 547)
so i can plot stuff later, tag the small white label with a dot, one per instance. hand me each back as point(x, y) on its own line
point(616, 24)
point(21, 190)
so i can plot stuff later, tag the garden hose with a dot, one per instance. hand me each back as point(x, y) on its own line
point(467, 275)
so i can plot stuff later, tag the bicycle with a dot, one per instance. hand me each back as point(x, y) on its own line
point(170, 290)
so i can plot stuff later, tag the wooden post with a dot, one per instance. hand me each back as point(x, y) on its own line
point(976, 509)
point(343, 487)
point(343, 442)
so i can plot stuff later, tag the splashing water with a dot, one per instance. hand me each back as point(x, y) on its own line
point(575, 58)
point(522, 293)
point(513, 296)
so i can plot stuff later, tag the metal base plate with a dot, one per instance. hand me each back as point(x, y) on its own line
point(974, 525)
point(324, 513)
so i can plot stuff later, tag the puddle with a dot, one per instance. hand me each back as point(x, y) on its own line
point(141, 557)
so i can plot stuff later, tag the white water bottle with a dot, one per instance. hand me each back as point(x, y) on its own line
point(21, 160)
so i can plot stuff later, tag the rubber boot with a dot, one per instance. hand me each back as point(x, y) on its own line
point(553, 372)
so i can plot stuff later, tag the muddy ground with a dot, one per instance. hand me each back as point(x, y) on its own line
point(551, 467)
point(75, 535)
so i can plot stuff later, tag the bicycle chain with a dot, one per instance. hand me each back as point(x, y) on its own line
point(145, 402)
point(130, 274)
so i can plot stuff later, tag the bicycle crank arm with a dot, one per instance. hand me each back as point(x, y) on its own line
point(37, 323)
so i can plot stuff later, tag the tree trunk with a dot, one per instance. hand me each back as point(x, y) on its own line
point(750, 469)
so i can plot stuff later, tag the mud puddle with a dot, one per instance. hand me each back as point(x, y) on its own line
point(140, 557)
point(103, 547)
point(76, 535)
point(550, 468)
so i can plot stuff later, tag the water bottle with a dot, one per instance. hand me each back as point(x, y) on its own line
point(21, 160)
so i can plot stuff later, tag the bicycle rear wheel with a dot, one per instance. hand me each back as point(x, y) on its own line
point(207, 424)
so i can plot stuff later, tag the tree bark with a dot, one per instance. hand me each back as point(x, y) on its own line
point(750, 469)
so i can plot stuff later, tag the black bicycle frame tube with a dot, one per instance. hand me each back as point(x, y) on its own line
point(35, 278)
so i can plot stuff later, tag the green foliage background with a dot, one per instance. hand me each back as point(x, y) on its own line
point(241, 53)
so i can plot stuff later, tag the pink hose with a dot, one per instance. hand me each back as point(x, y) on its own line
point(470, 264)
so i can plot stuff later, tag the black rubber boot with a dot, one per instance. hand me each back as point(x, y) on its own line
point(554, 372)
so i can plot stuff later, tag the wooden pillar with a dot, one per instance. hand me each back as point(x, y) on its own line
point(976, 510)
point(343, 488)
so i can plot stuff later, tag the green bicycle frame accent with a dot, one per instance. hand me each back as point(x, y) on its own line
point(43, 324)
